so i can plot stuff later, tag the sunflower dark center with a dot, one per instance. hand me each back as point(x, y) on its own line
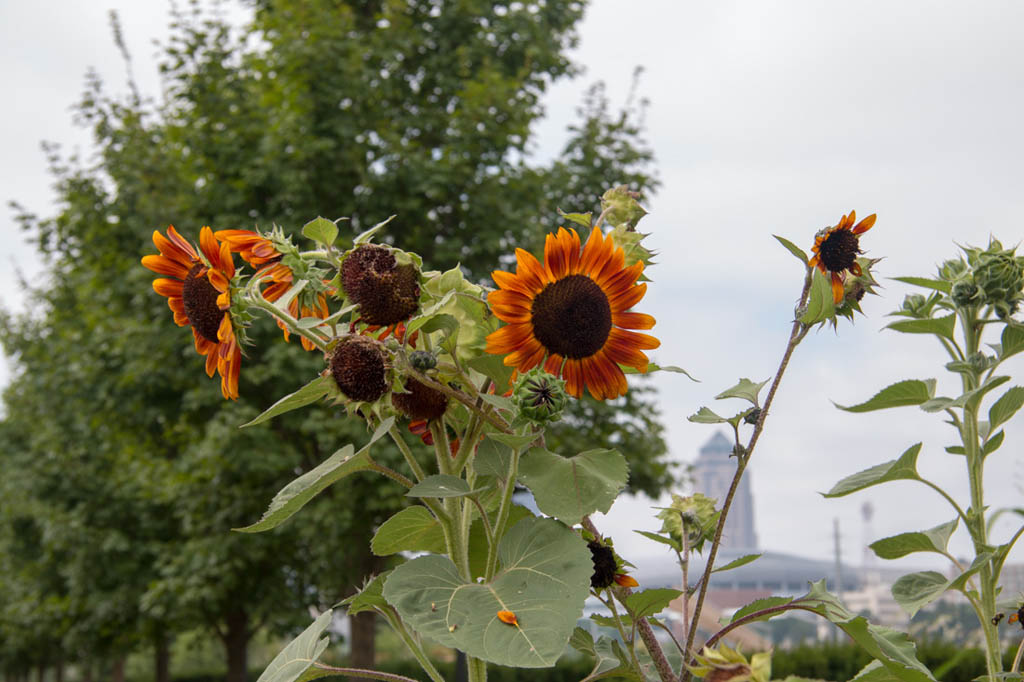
point(200, 299)
point(572, 317)
point(839, 250)
point(357, 366)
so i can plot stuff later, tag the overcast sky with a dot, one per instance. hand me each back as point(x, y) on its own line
point(765, 118)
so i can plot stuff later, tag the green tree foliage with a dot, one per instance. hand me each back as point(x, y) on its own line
point(122, 464)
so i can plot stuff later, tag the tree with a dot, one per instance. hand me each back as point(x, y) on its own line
point(362, 109)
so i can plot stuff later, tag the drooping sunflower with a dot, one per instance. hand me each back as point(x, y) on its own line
point(200, 297)
point(836, 249)
point(260, 252)
point(574, 311)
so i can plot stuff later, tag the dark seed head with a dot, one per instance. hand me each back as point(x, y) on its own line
point(604, 565)
point(200, 299)
point(358, 367)
point(421, 401)
point(839, 250)
point(385, 291)
point(572, 317)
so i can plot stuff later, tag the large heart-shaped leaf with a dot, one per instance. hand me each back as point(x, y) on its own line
point(413, 529)
point(544, 579)
point(569, 488)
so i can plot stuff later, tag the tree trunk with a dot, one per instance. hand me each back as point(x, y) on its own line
point(40, 673)
point(117, 670)
point(162, 657)
point(58, 671)
point(363, 652)
point(236, 643)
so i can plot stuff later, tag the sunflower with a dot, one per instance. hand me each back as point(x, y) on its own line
point(572, 310)
point(200, 297)
point(836, 248)
point(260, 252)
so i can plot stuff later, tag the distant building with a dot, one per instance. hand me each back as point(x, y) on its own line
point(713, 473)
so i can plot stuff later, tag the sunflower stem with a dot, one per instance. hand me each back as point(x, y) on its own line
point(796, 335)
point(492, 419)
point(290, 322)
point(502, 518)
point(395, 621)
point(410, 459)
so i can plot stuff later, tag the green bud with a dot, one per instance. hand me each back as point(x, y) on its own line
point(999, 276)
point(539, 396)
point(965, 293)
point(422, 360)
point(695, 515)
point(622, 207)
point(752, 416)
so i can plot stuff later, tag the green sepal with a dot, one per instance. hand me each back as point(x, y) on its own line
point(793, 249)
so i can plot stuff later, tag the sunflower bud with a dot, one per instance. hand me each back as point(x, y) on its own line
point(725, 664)
point(965, 293)
point(358, 365)
point(695, 515)
point(539, 396)
point(386, 291)
point(420, 401)
point(422, 360)
point(1000, 277)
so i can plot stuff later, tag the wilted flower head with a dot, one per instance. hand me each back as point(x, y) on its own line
point(386, 290)
point(358, 365)
point(836, 249)
point(420, 401)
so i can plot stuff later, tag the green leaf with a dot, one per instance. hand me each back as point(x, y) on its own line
point(650, 602)
point(368, 234)
point(908, 392)
point(369, 598)
point(936, 284)
point(492, 458)
point(904, 468)
point(705, 416)
point(1005, 407)
point(736, 563)
point(569, 488)
point(296, 494)
point(544, 580)
point(875, 672)
point(413, 529)
point(891, 648)
point(915, 590)
point(498, 401)
point(992, 444)
point(440, 485)
point(310, 393)
point(820, 306)
point(513, 440)
point(608, 664)
point(663, 539)
point(745, 389)
point(760, 605)
point(932, 540)
point(793, 249)
point(295, 658)
point(493, 367)
point(1011, 340)
point(654, 367)
point(320, 230)
point(940, 326)
point(582, 219)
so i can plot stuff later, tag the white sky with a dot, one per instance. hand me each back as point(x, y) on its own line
point(765, 118)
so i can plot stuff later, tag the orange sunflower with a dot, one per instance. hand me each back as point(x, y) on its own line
point(200, 297)
point(836, 248)
point(260, 253)
point(573, 310)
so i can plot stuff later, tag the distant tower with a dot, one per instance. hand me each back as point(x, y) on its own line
point(869, 568)
point(713, 471)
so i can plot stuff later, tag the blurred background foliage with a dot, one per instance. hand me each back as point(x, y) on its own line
point(123, 468)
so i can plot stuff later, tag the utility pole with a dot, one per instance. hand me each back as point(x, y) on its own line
point(839, 567)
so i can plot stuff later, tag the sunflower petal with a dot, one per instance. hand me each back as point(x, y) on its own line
point(508, 338)
point(511, 282)
point(866, 224)
point(633, 320)
point(530, 270)
point(628, 339)
point(837, 288)
point(162, 265)
point(628, 298)
point(168, 287)
point(209, 246)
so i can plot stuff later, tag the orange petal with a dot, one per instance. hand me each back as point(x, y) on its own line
point(837, 288)
point(573, 378)
point(628, 298)
point(530, 271)
point(211, 364)
point(865, 225)
point(633, 320)
point(208, 243)
point(625, 580)
point(509, 338)
point(162, 265)
point(594, 252)
point(507, 617)
point(621, 279)
point(855, 269)
point(624, 338)
point(167, 287)
point(509, 298)
point(510, 282)
point(227, 263)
